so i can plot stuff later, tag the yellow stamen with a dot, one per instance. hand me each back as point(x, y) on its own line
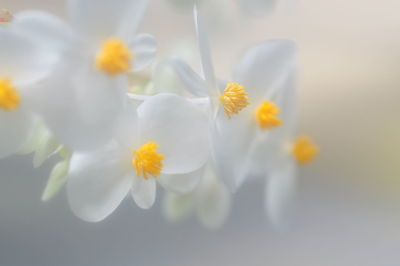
point(5, 16)
point(266, 115)
point(114, 57)
point(304, 150)
point(147, 160)
point(9, 97)
point(234, 99)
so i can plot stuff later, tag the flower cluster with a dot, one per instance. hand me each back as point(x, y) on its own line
point(66, 90)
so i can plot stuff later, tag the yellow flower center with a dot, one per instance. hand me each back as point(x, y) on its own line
point(266, 115)
point(234, 99)
point(5, 15)
point(304, 150)
point(9, 97)
point(114, 57)
point(147, 160)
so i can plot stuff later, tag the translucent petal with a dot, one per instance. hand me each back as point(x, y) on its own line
point(144, 49)
point(97, 20)
point(179, 128)
point(261, 68)
point(98, 182)
point(191, 80)
point(213, 203)
point(181, 183)
point(144, 192)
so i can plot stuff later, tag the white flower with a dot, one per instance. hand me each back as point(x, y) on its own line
point(246, 108)
point(284, 154)
point(22, 65)
point(86, 92)
point(164, 141)
point(210, 201)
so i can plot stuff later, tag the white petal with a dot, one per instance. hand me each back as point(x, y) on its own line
point(257, 7)
point(22, 60)
point(127, 128)
point(15, 130)
point(144, 48)
point(232, 140)
point(261, 68)
point(280, 190)
point(179, 128)
point(97, 20)
point(79, 105)
point(177, 207)
point(191, 80)
point(181, 183)
point(213, 203)
point(144, 192)
point(47, 29)
point(99, 96)
point(205, 53)
point(285, 98)
point(98, 182)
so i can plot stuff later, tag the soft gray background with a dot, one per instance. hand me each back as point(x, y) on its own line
point(348, 208)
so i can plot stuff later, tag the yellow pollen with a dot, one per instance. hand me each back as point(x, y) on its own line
point(9, 98)
point(234, 99)
point(114, 57)
point(266, 115)
point(147, 160)
point(304, 150)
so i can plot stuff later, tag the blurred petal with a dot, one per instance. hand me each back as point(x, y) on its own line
point(97, 183)
point(144, 49)
point(257, 7)
point(177, 207)
point(47, 145)
point(144, 192)
point(57, 179)
point(179, 128)
point(15, 130)
point(47, 29)
point(205, 53)
point(261, 67)
point(280, 190)
point(127, 129)
point(231, 141)
point(22, 60)
point(213, 203)
point(181, 183)
point(191, 80)
point(79, 105)
point(97, 20)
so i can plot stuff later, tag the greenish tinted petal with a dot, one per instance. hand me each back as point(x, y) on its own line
point(46, 147)
point(177, 207)
point(31, 145)
point(57, 179)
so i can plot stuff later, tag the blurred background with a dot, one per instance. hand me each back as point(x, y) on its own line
point(347, 210)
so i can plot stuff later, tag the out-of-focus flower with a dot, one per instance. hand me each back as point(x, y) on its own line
point(211, 202)
point(88, 86)
point(163, 140)
point(285, 153)
point(246, 107)
point(22, 65)
point(5, 16)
